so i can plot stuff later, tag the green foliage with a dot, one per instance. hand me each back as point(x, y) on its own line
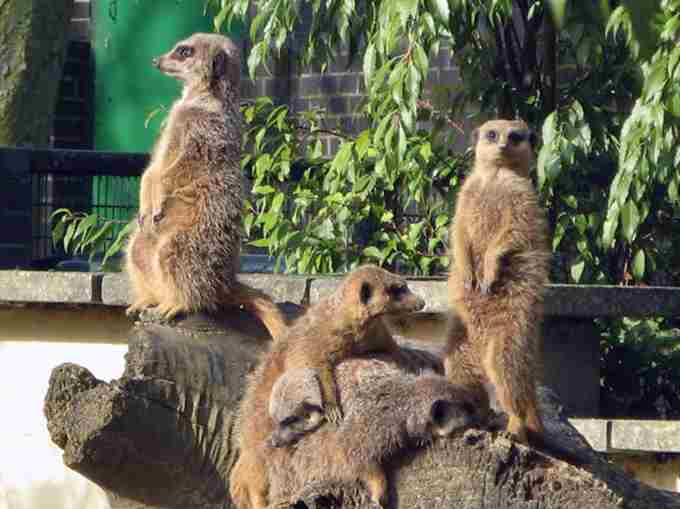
point(640, 366)
point(80, 233)
point(320, 215)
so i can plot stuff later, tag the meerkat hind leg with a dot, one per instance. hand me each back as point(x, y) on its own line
point(513, 382)
point(331, 405)
point(376, 483)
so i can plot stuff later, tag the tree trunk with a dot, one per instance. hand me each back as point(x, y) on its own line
point(32, 50)
point(162, 436)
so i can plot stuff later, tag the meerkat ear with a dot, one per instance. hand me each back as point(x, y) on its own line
point(366, 292)
point(220, 62)
point(475, 136)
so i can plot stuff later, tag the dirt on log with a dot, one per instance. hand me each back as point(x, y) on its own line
point(161, 436)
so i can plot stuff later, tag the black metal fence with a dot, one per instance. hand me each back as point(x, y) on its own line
point(80, 180)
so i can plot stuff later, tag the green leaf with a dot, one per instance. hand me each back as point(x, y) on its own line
point(441, 10)
point(576, 270)
point(373, 252)
point(630, 220)
point(656, 79)
point(263, 189)
point(639, 264)
point(369, 64)
point(277, 203)
point(58, 232)
point(64, 211)
point(259, 243)
point(70, 231)
point(557, 10)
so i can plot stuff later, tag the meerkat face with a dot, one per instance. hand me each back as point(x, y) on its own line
point(504, 142)
point(374, 292)
point(295, 406)
point(204, 58)
point(443, 409)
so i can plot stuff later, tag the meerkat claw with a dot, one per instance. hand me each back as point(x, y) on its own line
point(333, 414)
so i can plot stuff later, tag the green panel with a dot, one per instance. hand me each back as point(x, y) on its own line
point(127, 35)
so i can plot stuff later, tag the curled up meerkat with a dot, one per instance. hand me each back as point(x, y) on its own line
point(183, 256)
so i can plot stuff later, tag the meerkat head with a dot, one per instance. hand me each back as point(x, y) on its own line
point(370, 292)
point(441, 408)
point(509, 143)
point(210, 60)
point(295, 406)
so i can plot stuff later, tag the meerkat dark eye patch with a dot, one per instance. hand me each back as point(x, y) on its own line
point(288, 421)
point(491, 136)
point(184, 51)
point(366, 293)
point(220, 64)
point(517, 137)
point(397, 291)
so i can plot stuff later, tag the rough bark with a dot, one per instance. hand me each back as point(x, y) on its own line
point(32, 49)
point(161, 436)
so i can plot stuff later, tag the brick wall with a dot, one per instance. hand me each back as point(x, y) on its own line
point(340, 91)
point(74, 112)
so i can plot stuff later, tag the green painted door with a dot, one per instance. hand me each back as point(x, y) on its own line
point(127, 35)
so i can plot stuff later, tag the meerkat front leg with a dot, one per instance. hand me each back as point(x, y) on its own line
point(329, 392)
point(462, 255)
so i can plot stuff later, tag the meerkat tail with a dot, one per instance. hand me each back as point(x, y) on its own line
point(262, 306)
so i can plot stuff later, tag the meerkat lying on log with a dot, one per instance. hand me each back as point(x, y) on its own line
point(388, 409)
point(500, 268)
point(183, 256)
point(346, 323)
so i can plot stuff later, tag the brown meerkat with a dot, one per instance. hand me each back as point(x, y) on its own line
point(388, 409)
point(500, 268)
point(184, 254)
point(347, 322)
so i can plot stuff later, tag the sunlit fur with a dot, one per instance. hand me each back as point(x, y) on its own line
point(346, 323)
point(499, 243)
point(184, 254)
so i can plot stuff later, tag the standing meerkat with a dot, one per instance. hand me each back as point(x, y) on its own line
point(500, 268)
point(183, 256)
point(388, 409)
point(346, 323)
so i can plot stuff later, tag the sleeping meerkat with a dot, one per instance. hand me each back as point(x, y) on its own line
point(389, 408)
point(346, 323)
point(500, 268)
point(184, 254)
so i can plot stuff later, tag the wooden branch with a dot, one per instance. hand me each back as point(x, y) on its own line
point(162, 436)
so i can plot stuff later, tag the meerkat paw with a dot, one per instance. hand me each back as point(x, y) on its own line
point(168, 311)
point(516, 430)
point(138, 306)
point(486, 287)
point(333, 414)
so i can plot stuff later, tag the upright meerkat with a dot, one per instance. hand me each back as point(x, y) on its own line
point(346, 323)
point(184, 254)
point(388, 409)
point(500, 267)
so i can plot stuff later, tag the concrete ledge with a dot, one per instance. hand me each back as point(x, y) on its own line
point(568, 301)
point(590, 301)
point(57, 287)
point(625, 435)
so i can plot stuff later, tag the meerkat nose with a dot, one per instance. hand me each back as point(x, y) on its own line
point(155, 61)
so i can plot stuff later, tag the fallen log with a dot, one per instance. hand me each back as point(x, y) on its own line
point(161, 436)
